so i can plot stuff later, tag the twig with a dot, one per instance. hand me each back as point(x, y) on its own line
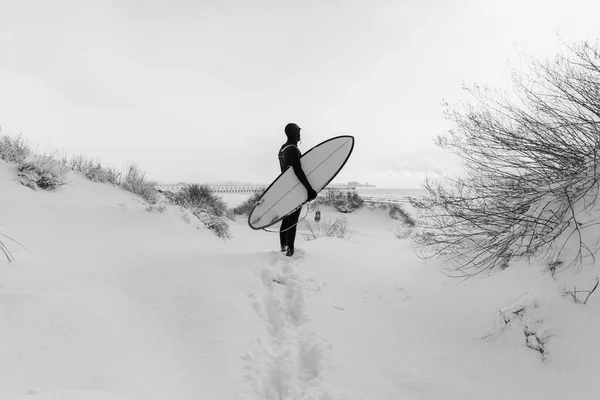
point(11, 239)
point(574, 293)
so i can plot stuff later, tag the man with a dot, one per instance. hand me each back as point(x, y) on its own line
point(289, 156)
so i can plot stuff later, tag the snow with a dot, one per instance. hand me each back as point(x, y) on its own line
point(114, 302)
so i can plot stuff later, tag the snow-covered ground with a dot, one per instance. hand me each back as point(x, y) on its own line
point(115, 302)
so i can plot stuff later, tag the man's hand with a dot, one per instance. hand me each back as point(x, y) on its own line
point(311, 194)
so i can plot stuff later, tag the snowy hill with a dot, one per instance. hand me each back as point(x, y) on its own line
point(115, 302)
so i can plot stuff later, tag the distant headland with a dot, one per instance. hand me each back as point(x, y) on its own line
point(357, 184)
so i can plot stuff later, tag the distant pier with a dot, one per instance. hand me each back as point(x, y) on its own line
point(240, 188)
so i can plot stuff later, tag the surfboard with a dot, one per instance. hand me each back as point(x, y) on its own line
point(320, 164)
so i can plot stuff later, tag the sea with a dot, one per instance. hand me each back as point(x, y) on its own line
point(373, 194)
point(388, 194)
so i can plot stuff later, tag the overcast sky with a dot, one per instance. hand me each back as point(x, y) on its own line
point(200, 91)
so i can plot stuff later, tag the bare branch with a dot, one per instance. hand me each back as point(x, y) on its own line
point(531, 161)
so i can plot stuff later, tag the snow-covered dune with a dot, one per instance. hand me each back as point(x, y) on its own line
point(115, 302)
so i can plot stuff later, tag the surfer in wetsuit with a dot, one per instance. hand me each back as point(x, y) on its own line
point(289, 156)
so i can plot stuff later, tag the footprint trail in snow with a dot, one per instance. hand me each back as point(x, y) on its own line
point(288, 360)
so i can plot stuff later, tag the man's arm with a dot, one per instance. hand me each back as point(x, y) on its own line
point(294, 155)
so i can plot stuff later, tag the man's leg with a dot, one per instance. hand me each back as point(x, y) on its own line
point(291, 232)
point(283, 233)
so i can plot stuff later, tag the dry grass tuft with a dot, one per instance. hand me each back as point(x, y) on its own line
point(326, 228)
point(134, 180)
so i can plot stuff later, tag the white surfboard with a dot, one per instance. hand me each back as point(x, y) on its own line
point(320, 165)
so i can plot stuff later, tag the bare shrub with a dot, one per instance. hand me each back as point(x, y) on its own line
point(531, 169)
point(326, 228)
point(14, 150)
point(42, 171)
point(134, 180)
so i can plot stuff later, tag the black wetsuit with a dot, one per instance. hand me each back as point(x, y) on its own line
point(289, 156)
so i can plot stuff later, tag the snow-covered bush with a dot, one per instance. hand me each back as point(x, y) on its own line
point(92, 170)
point(523, 325)
point(202, 197)
point(96, 174)
point(209, 208)
point(14, 150)
point(214, 223)
point(396, 211)
point(42, 171)
point(399, 213)
point(342, 202)
point(531, 169)
point(246, 207)
point(157, 207)
point(114, 176)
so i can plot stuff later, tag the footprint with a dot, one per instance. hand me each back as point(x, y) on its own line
point(266, 277)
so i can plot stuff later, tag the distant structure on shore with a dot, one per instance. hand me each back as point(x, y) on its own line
point(356, 184)
point(241, 188)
